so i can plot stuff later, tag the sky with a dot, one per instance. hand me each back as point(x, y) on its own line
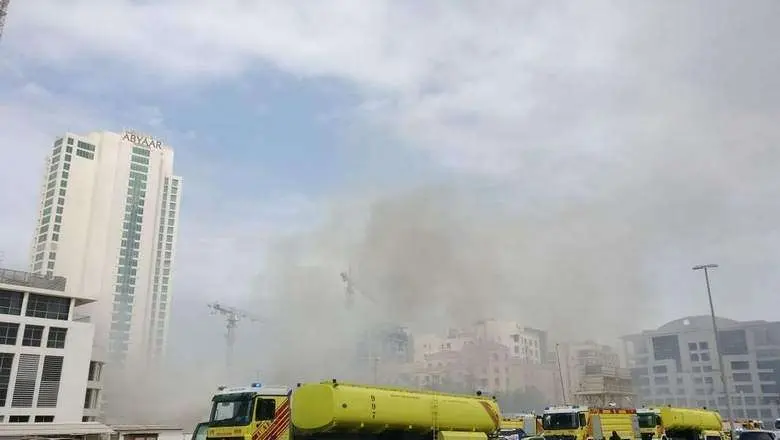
point(612, 145)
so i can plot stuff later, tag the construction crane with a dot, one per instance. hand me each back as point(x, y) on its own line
point(232, 316)
point(3, 14)
point(350, 291)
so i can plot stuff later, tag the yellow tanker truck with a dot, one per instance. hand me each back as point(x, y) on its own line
point(339, 411)
point(679, 424)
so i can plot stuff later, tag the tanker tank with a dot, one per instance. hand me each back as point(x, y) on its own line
point(690, 418)
point(338, 407)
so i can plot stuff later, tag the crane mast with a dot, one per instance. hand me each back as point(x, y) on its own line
point(3, 14)
point(232, 317)
point(351, 292)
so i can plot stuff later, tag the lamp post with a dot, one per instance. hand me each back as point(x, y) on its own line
point(705, 268)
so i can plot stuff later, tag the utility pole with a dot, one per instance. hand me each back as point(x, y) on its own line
point(560, 373)
point(232, 316)
point(706, 268)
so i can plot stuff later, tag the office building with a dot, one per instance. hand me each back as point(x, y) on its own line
point(46, 371)
point(677, 364)
point(108, 221)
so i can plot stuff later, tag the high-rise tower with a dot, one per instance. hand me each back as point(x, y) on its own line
point(108, 222)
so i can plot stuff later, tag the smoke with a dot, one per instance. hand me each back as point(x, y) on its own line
point(172, 396)
point(437, 257)
point(441, 257)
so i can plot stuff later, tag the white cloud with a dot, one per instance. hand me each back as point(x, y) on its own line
point(525, 88)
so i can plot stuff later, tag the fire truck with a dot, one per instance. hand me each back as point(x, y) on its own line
point(573, 422)
point(679, 423)
point(334, 410)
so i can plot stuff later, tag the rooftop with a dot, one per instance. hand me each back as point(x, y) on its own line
point(21, 281)
point(27, 279)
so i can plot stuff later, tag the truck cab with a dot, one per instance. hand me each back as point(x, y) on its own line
point(649, 422)
point(250, 412)
point(573, 422)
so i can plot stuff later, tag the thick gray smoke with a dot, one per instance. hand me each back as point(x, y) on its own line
point(434, 258)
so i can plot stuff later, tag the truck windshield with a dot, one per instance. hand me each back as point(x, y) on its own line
point(200, 431)
point(647, 420)
point(560, 421)
point(231, 412)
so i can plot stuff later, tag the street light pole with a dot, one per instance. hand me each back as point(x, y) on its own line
point(706, 268)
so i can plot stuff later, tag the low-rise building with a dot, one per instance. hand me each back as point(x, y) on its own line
point(44, 352)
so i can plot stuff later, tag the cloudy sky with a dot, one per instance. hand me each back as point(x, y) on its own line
point(642, 135)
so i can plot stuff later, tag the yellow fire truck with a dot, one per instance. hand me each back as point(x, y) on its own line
point(679, 424)
point(334, 410)
point(572, 422)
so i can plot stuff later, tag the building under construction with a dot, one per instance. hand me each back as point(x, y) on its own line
point(383, 350)
point(601, 385)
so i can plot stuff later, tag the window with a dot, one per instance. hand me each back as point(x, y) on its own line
point(50, 382)
point(6, 360)
point(756, 435)
point(44, 419)
point(56, 337)
point(48, 307)
point(704, 346)
point(26, 375)
point(705, 357)
point(692, 346)
point(32, 335)
point(11, 303)
point(95, 369)
point(742, 377)
point(18, 419)
point(85, 154)
point(86, 146)
point(8, 333)
point(659, 369)
point(740, 365)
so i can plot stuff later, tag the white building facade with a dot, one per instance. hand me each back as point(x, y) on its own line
point(108, 223)
point(677, 364)
point(45, 355)
point(523, 342)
